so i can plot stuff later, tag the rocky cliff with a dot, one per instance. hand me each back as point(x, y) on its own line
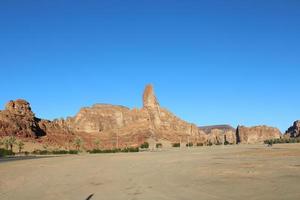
point(119, 126)
point(151, 121)
point(256, 134)
point(294, 130)
point(18, 119)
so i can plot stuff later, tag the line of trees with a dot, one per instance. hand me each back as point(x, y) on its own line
point(9, 143)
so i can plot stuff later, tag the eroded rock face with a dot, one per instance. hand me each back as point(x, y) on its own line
point(293, 131)
point(119, 126)
point(150, 121)
point(220, 134)
point(18, 119)
point(256, 134)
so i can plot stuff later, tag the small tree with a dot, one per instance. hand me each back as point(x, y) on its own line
point(11, 142)
point(78, 143)
point(20, 145)
point(5, 141)
point(97, 143)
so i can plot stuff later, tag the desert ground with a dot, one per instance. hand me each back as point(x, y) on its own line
point(218, 172)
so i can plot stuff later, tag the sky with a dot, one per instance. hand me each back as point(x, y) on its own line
point(210, 61)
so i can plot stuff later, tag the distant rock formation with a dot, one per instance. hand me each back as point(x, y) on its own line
point(294, 130)
point(256, 134)
point(119, 126)
point(220, 134)
point(18, 119)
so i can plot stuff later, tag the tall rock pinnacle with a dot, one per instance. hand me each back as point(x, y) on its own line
point(149, 98)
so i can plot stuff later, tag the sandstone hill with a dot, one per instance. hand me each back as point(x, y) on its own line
point(119, 126)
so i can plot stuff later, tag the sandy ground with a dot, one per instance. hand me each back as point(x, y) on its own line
point(230, 172)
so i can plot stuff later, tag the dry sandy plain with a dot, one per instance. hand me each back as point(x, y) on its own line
point(229, 172)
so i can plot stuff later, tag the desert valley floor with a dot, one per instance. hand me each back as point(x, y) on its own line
point(218, 172)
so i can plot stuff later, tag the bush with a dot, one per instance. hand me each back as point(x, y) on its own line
point(200, 144)
point(282, 141)
point(176, 145)
point(158, 145)
point(73, 152)
point(60, 152)
point(189, 144)
point(145, 145)
point(130, 149)
point(125, 150)
point(41, 152)
point(5, 152)
point(54, 152)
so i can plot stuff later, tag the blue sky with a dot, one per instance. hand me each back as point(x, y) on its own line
point(211, 62)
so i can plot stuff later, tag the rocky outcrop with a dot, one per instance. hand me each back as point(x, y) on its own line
point(17, 119)
point(256, 134)
point(219, 134)
point(119, 126)
point(208, 129)
point(294, 130)
point(151, 121)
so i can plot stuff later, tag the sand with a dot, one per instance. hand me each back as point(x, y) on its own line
point(219, 172)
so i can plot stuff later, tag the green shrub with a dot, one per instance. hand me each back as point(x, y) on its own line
point(176, 145)
point(41, 152)
point(189, 144)
point(60, 152)
point(54, 152)
point(145, 145)
point(282, 141)
point(73, 152)
point(130, 149)
point(5, 152)
point(125, 150)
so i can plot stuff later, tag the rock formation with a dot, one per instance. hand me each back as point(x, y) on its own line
point(18, 119)
point(294, 130)
point(151, 121)
point(256, 134)
point(119, 126)
point(220, 134)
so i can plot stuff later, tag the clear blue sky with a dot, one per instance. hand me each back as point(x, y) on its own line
point(211, 62)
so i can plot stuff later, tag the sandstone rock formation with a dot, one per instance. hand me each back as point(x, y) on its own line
point(294, 130)
point(18, 119)
point(119, 126)
point(151, 121)
point(256, 134)
point(220, 134)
